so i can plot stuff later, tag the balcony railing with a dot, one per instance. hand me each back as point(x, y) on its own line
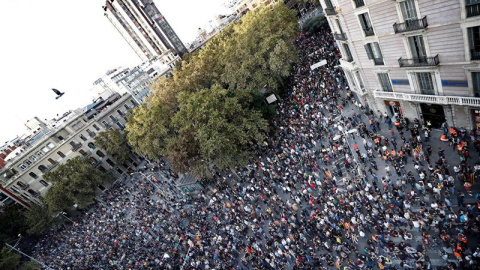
point(378, 61)
point(76, 146)
point(410, 25)
point(330, 11)
point(359, 3)
point(419, 61)
point(340, 36)
point(472, 10)
point(443, 100)
point(86, 154)
point(368, 32)
point(474, 55)
point(52, 166)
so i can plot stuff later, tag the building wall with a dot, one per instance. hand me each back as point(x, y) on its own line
point(445, 36)
point(81, 131)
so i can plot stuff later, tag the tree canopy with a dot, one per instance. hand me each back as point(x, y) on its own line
point(75, 182)
point(115, 143)
point(210, 111)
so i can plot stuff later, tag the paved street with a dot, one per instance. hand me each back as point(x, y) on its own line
point(310, 200)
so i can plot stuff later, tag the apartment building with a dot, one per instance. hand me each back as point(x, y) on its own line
point(21, 180)
point(413, 58)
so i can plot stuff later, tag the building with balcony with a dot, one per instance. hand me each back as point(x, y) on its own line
point(145, 29)
point(416, 59)
point(21, 180)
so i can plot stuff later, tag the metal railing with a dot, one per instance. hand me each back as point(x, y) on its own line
point(444, 100)
point(419, 61)
point(340, 36)
point(472, 10)
point(410, 25)
point(76, 146)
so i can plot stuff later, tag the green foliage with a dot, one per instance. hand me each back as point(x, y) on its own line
point(75, 182)
point(38, 218)
point(210, 112)
point(218, 130)
point(9, 260)
point(12, 222)
point(31, 265)
point(115, 143)
point(314, 24)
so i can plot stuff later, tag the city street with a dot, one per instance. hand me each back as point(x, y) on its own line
point(317, 197)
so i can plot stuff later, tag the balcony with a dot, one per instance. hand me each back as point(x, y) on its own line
point(92, 134)
point(472, 10)
point(378, 61)
point(442, 100)
point(474, 55)
point(86, 154)
point(419, 62)
point(359, 91)
point(359, 3)
point(340, 36)
point(76, 146)
point(410, 25)
point(330, 11)
point(52, 166)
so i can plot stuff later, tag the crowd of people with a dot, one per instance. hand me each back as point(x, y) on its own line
point(338, 187)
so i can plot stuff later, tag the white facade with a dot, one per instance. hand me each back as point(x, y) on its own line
point(415, 58)
point(22, 178)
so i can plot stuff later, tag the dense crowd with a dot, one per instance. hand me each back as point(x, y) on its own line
point(338, 186)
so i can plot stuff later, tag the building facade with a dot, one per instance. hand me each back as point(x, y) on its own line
point(416, 59)
point(21, 180)
point(145, 29)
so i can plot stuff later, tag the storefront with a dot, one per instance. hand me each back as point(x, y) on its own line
point(433, 113)
point(393, 108)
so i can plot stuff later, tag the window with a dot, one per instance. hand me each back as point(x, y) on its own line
point(61, 154)
point(43, 169)
point(409, 13)
point(134, 103)
point(348, 53)
point(96, 127)
point(50, 145)
point(45, 184)
point(339, 26)
point(105, 124)
point(425, 83)
point(83, 137)
point(60, 138)
point(33, 158)
point(39, 153)
point(22, 167)
point(328, 3)
point(360, 80)
point(45, 149)
point(359, 3)
point(33, 193)
point(417, 48)
point(385, 82)
point(350, 78)
point(126, 107)
point(91, 145)
point(373, 52)
point(52, 161)
point(366, 24)
point(113, 118)
point(472, 7)
point(476, 83)
point(100, 154)
point(33, 175)
point(22, 185)
point(27, 162)
point(120, 112)
point(474, 42)
point(120, 125)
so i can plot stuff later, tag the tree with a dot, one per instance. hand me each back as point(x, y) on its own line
point(214, 129)
point(12, 221)
point(39, 219)
point(31, 265)
point(75, 182)
point(115, 143)
point(9, 260)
